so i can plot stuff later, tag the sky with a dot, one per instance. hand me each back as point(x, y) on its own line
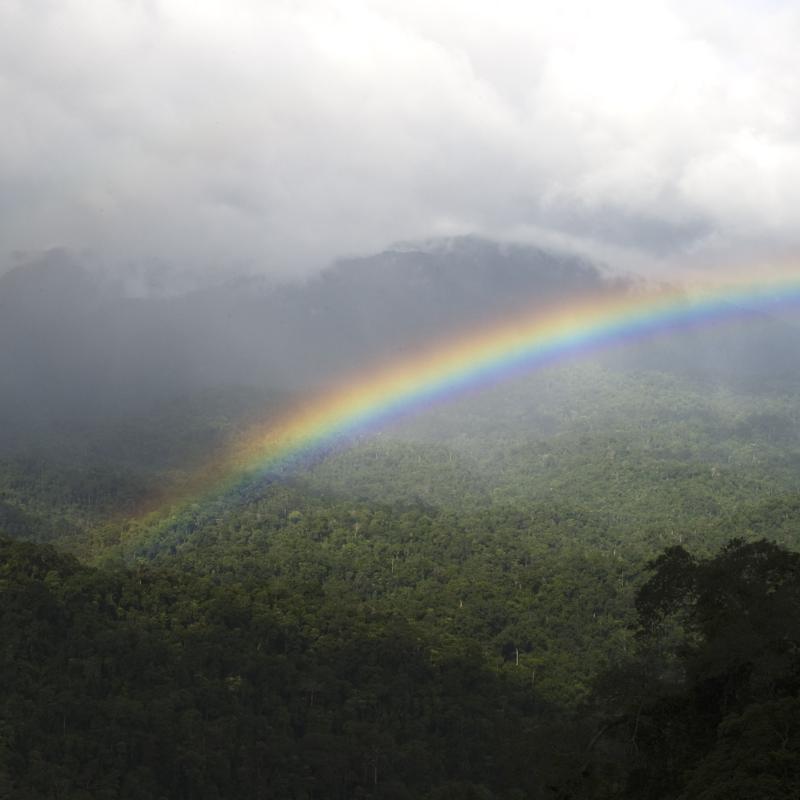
point(273, 136)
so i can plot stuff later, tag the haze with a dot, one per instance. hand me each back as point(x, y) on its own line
point(213, 138)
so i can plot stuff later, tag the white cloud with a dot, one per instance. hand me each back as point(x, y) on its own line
point(281, 134)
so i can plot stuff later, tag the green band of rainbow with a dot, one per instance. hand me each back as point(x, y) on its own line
point(478, 358)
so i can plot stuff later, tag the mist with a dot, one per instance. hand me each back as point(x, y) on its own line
point(75, 345)
point(77, 348)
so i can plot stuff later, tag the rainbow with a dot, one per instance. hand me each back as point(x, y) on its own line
point(484, 357)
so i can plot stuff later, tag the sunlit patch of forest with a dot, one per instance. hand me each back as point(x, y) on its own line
point(581, 584)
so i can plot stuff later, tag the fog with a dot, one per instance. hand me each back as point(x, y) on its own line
point(73, 344)
point(76, 348)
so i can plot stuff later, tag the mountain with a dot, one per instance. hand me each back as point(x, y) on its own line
point(73, 348)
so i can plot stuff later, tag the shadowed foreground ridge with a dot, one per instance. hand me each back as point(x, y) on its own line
point(158, 682)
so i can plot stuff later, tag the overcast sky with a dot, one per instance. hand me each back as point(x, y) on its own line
point(275, 136)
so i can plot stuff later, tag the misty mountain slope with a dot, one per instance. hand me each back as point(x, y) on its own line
point(644, 454)
point(110, 401)
point(752, 351)
point(404, 297)
point(72, 347)
point(646, 451)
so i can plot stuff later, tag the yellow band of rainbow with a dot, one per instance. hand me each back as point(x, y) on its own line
point(512, 346)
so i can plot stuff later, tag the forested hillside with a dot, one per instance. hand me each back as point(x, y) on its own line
point(581, 583)
point(447, 608)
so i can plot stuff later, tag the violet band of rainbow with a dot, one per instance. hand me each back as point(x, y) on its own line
point(479, 358)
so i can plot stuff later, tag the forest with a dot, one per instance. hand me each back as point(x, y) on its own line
point(581, 584)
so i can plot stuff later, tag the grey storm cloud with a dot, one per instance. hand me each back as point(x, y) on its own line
point(274, 136)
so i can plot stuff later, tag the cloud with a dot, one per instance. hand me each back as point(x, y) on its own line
point(274, 136)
